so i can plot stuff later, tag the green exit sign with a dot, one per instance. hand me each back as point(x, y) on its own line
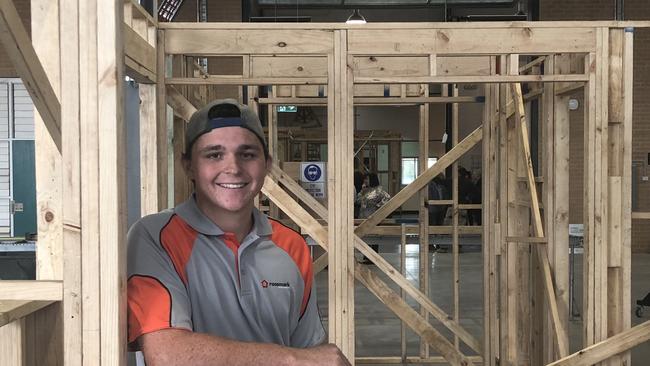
point(287, 108)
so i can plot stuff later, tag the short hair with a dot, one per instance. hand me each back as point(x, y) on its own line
point(373, 180)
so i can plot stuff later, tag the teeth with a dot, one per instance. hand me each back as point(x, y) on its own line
point(231, 185)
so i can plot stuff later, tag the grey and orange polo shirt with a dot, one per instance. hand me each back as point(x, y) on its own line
point(185, 272)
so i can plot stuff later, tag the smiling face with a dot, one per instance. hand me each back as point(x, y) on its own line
point(228, 167)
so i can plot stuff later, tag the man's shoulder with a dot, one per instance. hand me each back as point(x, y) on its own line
point(286, 233)
point(152, 223)
point(156, 219)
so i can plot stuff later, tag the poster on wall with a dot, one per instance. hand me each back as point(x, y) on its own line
point(313, 179)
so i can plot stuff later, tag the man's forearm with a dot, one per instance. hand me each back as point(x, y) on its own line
point(179, 347)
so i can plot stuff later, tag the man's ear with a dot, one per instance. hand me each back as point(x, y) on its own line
point(187, 167)
point(269, 164)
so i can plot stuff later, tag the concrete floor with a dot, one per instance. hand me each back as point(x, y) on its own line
point(378, 330)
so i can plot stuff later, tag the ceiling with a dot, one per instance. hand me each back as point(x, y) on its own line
point(364, 3)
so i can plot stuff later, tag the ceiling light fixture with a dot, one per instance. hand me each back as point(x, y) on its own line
point(356, 18)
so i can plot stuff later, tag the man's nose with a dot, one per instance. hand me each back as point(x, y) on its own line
point(232, 164)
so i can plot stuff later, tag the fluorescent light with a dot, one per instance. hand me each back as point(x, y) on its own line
point(356, 18)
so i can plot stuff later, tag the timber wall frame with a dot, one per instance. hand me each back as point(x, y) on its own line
point(75, 312)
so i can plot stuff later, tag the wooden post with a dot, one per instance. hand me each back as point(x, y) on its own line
point(46, 330)
point(70, 125)
point(455, 245)
point(161, 122)
point(490, 220)
point(94, 184)
point(112, 183)
point(595, 199)
point(618, 202)
point(148, 150)
point(340, 196)
point(272, 123)
point(556, 179)
point(423, 197)
point(626, 182)
point(402, 269)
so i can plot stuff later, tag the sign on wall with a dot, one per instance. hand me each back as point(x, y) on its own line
point(313, 179)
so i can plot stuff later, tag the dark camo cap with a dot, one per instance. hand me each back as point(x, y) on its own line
point(223, 113)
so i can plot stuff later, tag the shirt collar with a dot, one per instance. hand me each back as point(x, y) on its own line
point(189, 211)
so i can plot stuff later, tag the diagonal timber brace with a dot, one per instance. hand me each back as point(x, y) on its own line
point(611, 346)
point(182, 107)
point(278, 175)
point(542, 254)
point(19, 47)
point(272, 190)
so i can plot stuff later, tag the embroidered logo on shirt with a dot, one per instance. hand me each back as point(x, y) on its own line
point(267, 284)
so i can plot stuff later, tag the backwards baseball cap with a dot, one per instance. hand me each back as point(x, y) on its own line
point(223, 113)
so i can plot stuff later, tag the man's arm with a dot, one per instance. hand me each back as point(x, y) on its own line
point(179, 347)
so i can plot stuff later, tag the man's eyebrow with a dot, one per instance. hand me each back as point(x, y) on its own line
point(212, 148)
point(248, 147)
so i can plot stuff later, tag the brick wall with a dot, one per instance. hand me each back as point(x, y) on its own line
point(6, 68)
point(604, 10)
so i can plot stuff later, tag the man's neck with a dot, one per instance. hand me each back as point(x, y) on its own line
point(238, 223)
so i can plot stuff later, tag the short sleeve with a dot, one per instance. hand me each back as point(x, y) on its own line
point(310, 331)
point(157, 297)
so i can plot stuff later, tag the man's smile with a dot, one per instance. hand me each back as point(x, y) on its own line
point(232, 185)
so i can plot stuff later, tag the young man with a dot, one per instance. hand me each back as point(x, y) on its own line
point(214, 281)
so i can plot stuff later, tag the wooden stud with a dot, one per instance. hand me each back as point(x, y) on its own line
point(514, 278)
point(161, 124)
point(49, 252)
point(148, 150)
point(91, 264)
point(423, 214)
point(402, 269)
point(341, 260)
point(503, 211)
point(615, 202)
point(11, 353)
point(556, 201)
point(455, 245)
point(45, 329)
point(602, 156)
point(182, 184)
point(112, 192)
point(70, 126)
point(626, 196)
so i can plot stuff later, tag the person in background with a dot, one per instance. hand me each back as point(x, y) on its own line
point(359, 178)
point(438, 191)
point(370, 199)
